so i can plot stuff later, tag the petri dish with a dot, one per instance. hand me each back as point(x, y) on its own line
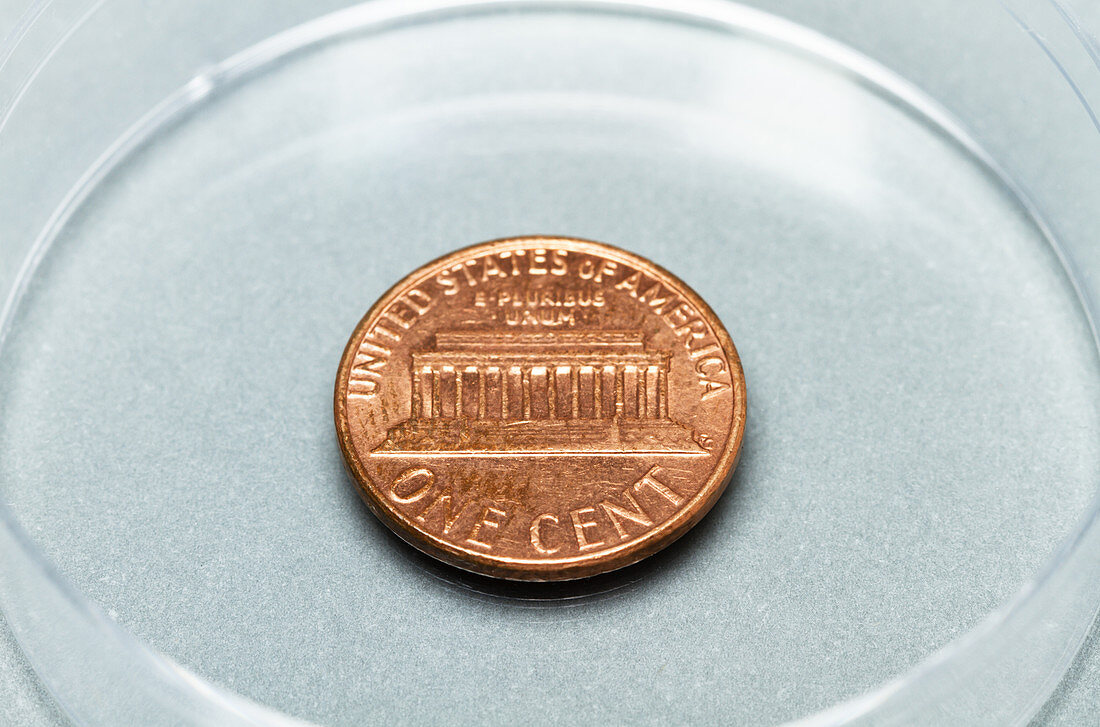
point(198, 204)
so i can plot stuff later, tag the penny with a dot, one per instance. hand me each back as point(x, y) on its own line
point(540, 408)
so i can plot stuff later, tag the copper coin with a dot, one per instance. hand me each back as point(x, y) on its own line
point(540, 408)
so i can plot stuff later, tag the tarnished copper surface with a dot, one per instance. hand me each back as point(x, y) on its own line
point(540, 408)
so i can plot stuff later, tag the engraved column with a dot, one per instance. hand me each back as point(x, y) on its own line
point(471, 391)
point(662, 392)
point(630, 391)
point(423, 393)
point(493, 393)
point(652, 393)
point(513, 392)
point(540, 392)
point(448, 392)
point(586, 393)
point(563, 392)
point(608, 381)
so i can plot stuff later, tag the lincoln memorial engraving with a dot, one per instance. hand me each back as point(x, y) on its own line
point(561, 391)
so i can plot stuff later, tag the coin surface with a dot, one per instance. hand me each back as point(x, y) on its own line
point(540, 408)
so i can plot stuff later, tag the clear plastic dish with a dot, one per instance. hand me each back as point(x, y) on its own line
point(890, 205)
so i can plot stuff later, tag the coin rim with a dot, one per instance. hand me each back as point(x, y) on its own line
point(556, 569)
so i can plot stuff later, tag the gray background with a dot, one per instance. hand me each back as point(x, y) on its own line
point(1075, 703)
